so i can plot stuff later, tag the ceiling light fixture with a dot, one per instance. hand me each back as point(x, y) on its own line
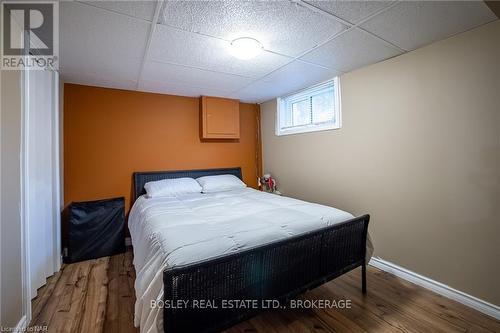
point(245, 48)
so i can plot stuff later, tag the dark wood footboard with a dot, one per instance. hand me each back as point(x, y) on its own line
point(215, 294)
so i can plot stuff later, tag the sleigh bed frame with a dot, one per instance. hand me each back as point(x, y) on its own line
point(215, 294)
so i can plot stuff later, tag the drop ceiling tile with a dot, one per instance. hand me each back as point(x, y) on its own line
point(169, 88)
point(351, 11)
point(98, 80)
point(351, 50)
point(161, 72)
point(288, 79)
point(184, 48)
point(258, 92)
point(412, 24)
point(281, 26)
point(298, 75)
point(140, 9)
point(98, 42)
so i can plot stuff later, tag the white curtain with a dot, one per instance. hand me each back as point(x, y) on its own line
point(41, 176)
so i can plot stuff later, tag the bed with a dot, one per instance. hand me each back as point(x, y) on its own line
point(205, 262)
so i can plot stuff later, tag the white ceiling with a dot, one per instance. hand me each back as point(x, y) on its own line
point(180, 47)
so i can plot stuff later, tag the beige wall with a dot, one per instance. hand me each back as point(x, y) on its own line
point(420, 151)
point(10, 233)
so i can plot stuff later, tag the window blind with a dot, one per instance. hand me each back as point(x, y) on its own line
point(311, 108)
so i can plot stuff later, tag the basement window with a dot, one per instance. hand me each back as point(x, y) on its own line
point(313, 109)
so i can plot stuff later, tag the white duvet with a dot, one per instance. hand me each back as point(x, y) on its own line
point(168, 232)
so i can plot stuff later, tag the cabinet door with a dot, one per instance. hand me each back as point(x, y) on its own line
point(220, 118)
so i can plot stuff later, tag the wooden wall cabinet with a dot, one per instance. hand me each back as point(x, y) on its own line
point(220, 118)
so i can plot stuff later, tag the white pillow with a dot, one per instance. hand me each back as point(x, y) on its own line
point(211, 184)
point(172, 187)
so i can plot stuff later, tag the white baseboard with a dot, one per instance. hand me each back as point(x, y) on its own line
point(22, 325)
point(437, 287)
point(128, 241)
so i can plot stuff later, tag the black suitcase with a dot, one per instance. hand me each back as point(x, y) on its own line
point(95, 229)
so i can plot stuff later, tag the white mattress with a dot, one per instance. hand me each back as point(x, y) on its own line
point(169, 232)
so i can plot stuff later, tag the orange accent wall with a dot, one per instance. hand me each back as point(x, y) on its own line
point(110, 133)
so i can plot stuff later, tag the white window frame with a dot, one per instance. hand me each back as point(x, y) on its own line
point(281, 107)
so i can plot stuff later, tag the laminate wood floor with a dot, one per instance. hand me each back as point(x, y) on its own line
point(98, 296)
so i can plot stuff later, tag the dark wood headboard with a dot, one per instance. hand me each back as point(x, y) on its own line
point(141, 178)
